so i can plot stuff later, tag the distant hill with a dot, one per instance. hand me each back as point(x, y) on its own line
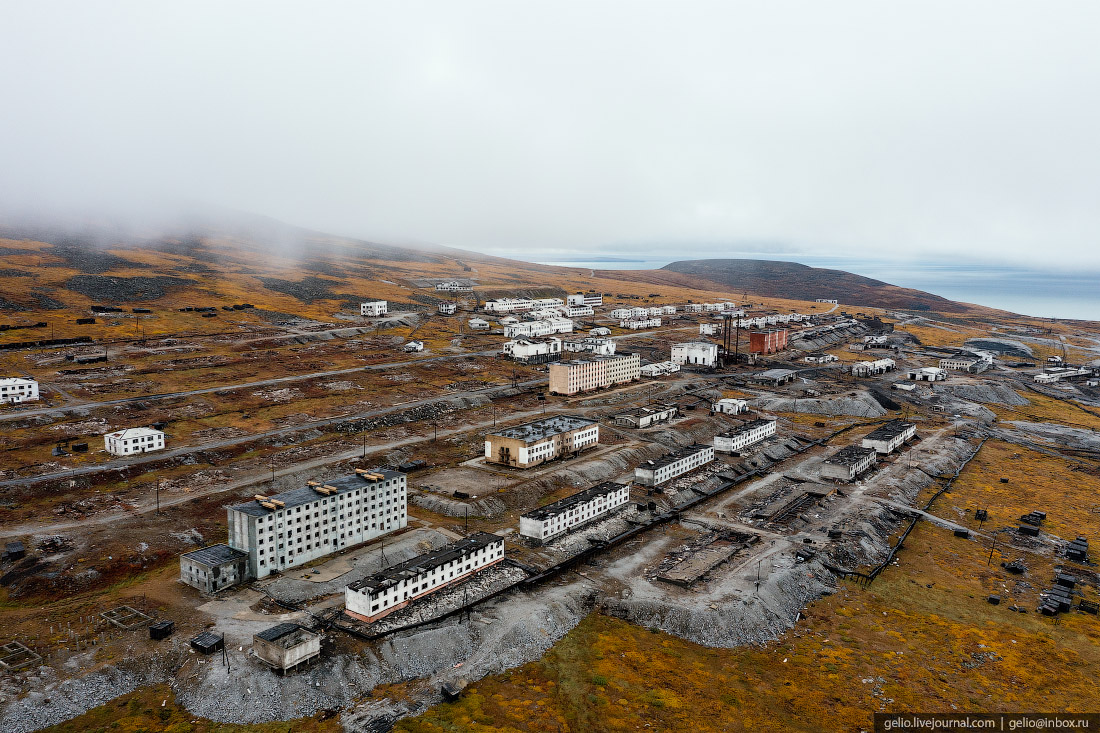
point(777, 279)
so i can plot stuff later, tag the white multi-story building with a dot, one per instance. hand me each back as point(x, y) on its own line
point(552, 520)
point(593, 344)
point(507, 305)
point(620, 313)
point(644, 417)
point(383, 593)
point(654, 311)
point(479, 324)
point(453, 286)
point(533, 350)
point(671, 465)
point(539, 328)
point(595, 372)
point(701, 353)
point(18, 389)
point(848, 463)
point(730, 406)
point(747, 435)
point(547, 302)
point(298, 526)
point(659, 369)
point(889, 437)
point(708, 329)
point(635, 324)
point(965, 363)
point(530, 444)
point(374, 308)
point(693, 308)
point(870, 368)
point(133, 440)
point(926, 374)
point(576, 311)
point(592, 300)
point(447, 308)
point(668, 310)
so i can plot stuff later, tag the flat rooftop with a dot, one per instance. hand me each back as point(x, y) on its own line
point(889, 431)
point(774, 374)
point(425, 563)
point(643, 411)
point(747, 427)
point(581, 497)
point(286, 635)
point(306, 494)
point(215, 555)
point(849, 455)
point(676, 455)
point(541, 429)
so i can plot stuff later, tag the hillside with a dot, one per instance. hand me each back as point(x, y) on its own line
point(792, 280)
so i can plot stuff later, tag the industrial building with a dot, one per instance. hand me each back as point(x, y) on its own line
point(374, 308)
point(671, 465)
point(926, 374)
point(530, 444)
point(547, 522)
point(871, 368)
point(659, 369)
point(773, 377)
point(700, 353)
point(1052, 375)
point(413, 346)
point(133, 440)
point(744, 436)
point(297, 526)
point(820, 358)
point(214, 568)
point(14, 390)
point(964, 363)
point(889, 437)
point(383, 593)
point(479, 324)
point(730, 406)
point(454, 286)
point(592, 300)
point(286, 646)
point(533, 350)
point(768, 342)
point(594, 372)
point(507, 305)
point(644, 417)
point(848, 463)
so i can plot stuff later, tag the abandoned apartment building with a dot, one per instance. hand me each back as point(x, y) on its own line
point(373, 308)
point(214, 568)
point(447, 308)
point(594, 372)
point(552, 520)
point(543, 327)
point(644, 417)
point(301, 525)
point(848, 463)
point(965, 363)
point(528, 445)
point(593, 344)
point(699, 353)
point(637, 323)
point(889, 437)
point(286, 646)
point(671, 465)
point(592, 300)
point(730, 406)
point(14, 390)
point(533, 350)
point(383, 593)
point(749, 434)
point(133, 440)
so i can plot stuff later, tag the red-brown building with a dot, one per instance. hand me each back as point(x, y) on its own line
point(768, 342)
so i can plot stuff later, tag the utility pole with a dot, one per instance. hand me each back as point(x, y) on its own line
point(158, 495)
point(991, 549)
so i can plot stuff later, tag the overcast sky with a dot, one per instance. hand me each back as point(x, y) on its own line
point(690, 128)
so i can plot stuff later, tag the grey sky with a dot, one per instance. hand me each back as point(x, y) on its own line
point(838, 127)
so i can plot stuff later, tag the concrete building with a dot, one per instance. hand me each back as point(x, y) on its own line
point(214, 568)
point(730, 406)
point(889, 437)
point(507, 305)
point(1052, 375)
point(693, 308)
point(827, 300)
point(533, 350)
point(599, 331)
point(820, 358)
point(298, 526)
point(545, 327)
point(635, 323)
point(286, 646)
point(592, 300)
point(926, 374)
point(848, 463)
point(547, 302)
point(14, 390)
point(871, 368)
point(768, 342)
point(644, 417)
point(773, 377)
point(747, 435)
point(964, 363)
point(133, 440)
point(592, 504)
point(594, 372)
point(576, 311)
point(383, 593)
point(534, 443)
point(454, 286)
point(708, 329)
point(591, 344)
point(447, 308)
point(698, 353)
point(414, 346)
point(671, 465)
point(659, 369)
point(374, 308)
point(478, 324)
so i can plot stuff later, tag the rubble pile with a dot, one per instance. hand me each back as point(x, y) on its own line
point(859, 405)
point(124, 289)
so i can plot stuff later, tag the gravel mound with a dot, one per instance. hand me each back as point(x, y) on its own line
point(124, 289)
point(987, 393)
point(862, 405)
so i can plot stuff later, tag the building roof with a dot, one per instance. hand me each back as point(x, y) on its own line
point(695, 345)
point(643, 411)
point(676, 455)
point(596, 358)
point(774, 374)
point(372, 302)
point(287, 634)
point(133, 433)
point(426, 562)
point(747, 427)
point(541, 429)
point(17, 380)
point(215, 555)
point(581, 497)
point(889, 431)
point(306, 494)
point(849, 455)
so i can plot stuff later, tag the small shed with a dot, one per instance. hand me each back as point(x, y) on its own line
point(161, 629)
point(208, 642)
point(14, 551)
point(286, 646)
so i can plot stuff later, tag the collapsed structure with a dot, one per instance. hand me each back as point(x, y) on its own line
point(286, 646)
point(889, 437)
point(848, 463)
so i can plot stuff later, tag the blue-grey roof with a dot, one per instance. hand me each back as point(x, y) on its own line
point(307, 494)
point(541, 429)
point(277, 632)
point(215, 555)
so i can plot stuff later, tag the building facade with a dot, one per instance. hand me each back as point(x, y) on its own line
point(454, 286)
point(644, 417)
point(15, 390)
point(286, 646)
point(374, 308)
point(533, 443)
point(533, 350)
point(133, 440)
point(768, 342)
point(544, 327)
point(298, 526)
point(214, 568)
point(848, 463)
point(926, 374)
point(699, 353)
point(635, 323)
point(593, 344)
point(967, 363)
point(479, 324)
point(749, 434)
point(447, 308)
point(383, 593)
point(730, 406)
point(595, 372)
point(671, 465)
point(889, 437)
point(871, 368)
point(659, 369)
point(592, 300)
point(552, 520)
point(507, 305)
